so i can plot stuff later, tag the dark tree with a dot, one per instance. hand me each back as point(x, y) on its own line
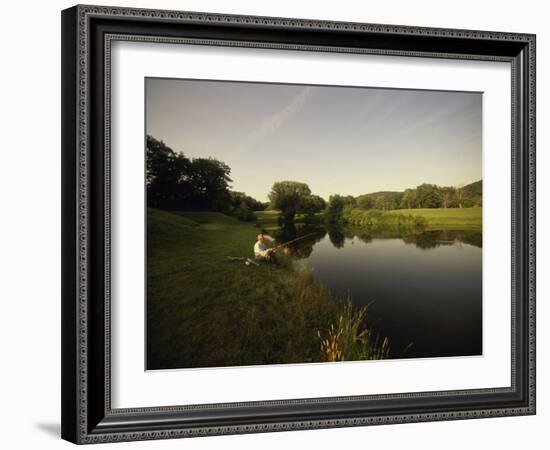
point(408, 200)
point(447, 194)
point(365, 202)
point(209, 179)
point(290, 197)
point(472, 195)
point(175, 182)
point(349, 201)
point(428, 196)
point(167, 175)
point(238, 198)
point(380, 203)
point(313, 205)
point(335, 208)
point(244, 213)
point(336, 235)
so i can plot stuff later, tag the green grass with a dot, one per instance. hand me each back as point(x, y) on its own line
point(375, 220)
point(269, 219)
point(205, 217)
point(270, 215)
point(204, 310)
point(447, 218)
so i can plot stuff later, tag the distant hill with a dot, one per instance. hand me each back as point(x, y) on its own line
point(382, 193)
point(425, 195)
point(474, 189)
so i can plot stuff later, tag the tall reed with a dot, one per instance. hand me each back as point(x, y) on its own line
point(349, 339)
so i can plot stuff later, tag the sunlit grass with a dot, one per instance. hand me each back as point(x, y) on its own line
point(376, 220)
point(446, 218)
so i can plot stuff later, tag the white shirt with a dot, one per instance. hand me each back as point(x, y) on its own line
point(261, 247)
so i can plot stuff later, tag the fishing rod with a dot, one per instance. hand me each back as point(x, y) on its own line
point(292, 240)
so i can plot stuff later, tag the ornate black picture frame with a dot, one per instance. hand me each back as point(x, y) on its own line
point(87, 34)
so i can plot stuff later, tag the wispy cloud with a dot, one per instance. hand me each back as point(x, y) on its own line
point(346, 140)
point(277, 120)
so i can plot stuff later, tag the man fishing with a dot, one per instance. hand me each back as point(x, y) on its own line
point(262, 251)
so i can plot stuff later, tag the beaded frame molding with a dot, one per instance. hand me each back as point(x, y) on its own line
point(87, 35)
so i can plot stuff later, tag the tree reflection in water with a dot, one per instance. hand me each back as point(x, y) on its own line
point(338, 234)
point(303, 248)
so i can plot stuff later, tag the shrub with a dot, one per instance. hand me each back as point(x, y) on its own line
point(244, 213)
point(374, 219)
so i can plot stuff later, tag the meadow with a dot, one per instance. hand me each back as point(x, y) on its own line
point(446, 218)
point(206, 310)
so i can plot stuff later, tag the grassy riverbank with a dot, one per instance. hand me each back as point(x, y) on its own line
point(426, 218)
point(269, 219)
point(446, 218)
point(375, 220)
point(206, 310)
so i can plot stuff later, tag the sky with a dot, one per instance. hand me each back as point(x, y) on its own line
point(338, 140)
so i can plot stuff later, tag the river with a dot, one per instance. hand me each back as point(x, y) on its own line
point(423, 290)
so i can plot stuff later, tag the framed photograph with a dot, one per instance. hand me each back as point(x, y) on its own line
point(277, 224)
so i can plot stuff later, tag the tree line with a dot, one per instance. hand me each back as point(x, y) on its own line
point(423, 196)
point(175, 182)
point(292, 197)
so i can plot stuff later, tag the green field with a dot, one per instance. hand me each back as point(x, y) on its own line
point(206, 310)
point(269, 219)
point(447, 218)
point(269, 215)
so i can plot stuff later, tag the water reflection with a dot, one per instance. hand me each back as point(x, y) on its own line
point(338, 235)
point(422, 288)
point(433, 239)
point(303, 248)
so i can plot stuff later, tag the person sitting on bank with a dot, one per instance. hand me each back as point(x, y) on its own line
point(262, 250)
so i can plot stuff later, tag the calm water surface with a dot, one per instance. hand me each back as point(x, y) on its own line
point(424, 290)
